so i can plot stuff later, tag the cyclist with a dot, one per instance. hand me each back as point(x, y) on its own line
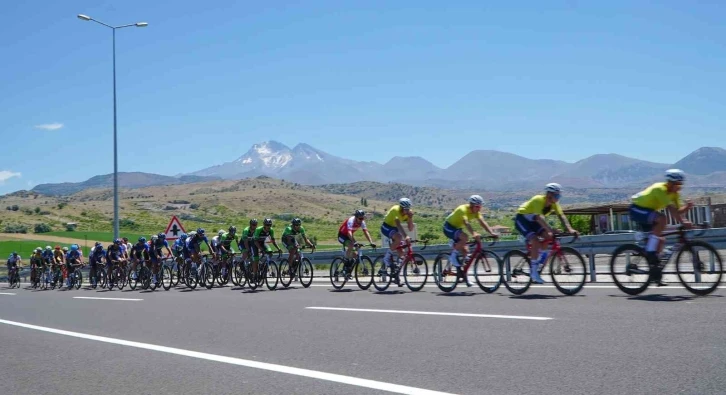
point(225, 246)
point(289, 239)
point(73, 257)
point(454, 229)
point(348, 228)
point(113, 254)
point(260, 235)
point(36, 263)
point(47, 262)
point(138, 251)
point(530, 223)
point(14, 261)
point(215, 242)
point(58, 255)
point(194, 242)
point(392, 227)
point(179, 246)
point(124, 249)
point(245, 239)
point(645, 207)
point(96, 258)
point(156, 245)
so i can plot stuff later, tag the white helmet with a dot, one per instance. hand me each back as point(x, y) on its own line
point(553, 187)
point(476, 199)
point(675, 175)
point(405, 203)
point(220, 233)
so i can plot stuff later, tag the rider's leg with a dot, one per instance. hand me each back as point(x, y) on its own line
point(655, 240)
point(395, 242)
point(460, 248)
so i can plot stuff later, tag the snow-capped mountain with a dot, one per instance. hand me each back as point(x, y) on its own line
point(480, 168)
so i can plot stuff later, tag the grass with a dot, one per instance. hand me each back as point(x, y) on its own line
point(93, 236)
point(25, 248)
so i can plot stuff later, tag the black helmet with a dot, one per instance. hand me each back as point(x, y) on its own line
point(200, 231)
point(162, 236)
point(142, 239)
point(232, 229)
point(253, 222)
point(267, 222)
point(360, 213)
point(296, 221)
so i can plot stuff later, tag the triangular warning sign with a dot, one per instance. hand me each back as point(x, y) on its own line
point(174, 229)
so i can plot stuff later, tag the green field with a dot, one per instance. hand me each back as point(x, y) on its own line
point(25, 248)
point(92, 236)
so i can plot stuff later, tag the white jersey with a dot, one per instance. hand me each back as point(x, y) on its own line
point(13, 259)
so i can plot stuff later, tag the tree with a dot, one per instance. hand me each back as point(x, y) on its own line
point(42, 228)
point(580, 223)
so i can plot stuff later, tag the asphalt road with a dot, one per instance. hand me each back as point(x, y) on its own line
point(230, 340)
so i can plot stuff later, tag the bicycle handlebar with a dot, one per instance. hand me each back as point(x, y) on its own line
point(560, 235)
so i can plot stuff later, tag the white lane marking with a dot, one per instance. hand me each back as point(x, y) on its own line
point(516, 317)
point(6, 293)
point(313, 374)
point(94, 298)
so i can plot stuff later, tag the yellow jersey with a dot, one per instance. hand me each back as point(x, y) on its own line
point(456, 218)
point(656, 197)
point(393, 213)
point(57, 255)
point(536, 206)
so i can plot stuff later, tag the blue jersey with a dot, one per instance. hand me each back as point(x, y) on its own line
point(73, 255)
point(194, 242)
point(97, 256)
point(138, 249)
point(48, 255)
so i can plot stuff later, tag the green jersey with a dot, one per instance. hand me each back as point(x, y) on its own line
point(227, 239)
point(261, 234)
point(289, 233)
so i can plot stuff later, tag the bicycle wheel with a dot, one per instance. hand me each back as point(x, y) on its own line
point(272, 277)
point(699, 267)
point(78, 280)
point(101, 279)
point(191, 276)
point(568, 271)
point(382, 274)
point(207, 277)
point(286, 274)
point(176, 272)
point(224, 274)
point(516, 272)
point(630, 269)
point(364, 272)
point(444, 272)
point(415, 272)
point(239, 274)
point(305, 272)
point(488, 271)
point(166, 277)
point(338, 278)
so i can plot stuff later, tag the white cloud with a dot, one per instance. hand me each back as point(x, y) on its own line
point(49, 126)
point(6, 175)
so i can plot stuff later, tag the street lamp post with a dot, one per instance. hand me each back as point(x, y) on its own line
point(115, 153)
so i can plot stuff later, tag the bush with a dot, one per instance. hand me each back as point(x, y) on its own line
point(15, 228)
point(14, 207)
point(194, 206)
point(42, 228)
point(169, 208)
point(27, 211)
point(70, 228)
point(61, 205)
point(37, 210)
point(128, 224)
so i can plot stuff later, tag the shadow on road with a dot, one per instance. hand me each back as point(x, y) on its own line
point(461, 293)
point(657, 297)
point(392, 292)
point(344, 290)
point(541, 297)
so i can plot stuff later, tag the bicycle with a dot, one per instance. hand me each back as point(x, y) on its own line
point(301, 269)
point(566, 267)
point(115, 276)
point(342, 269)
point(14, 276)
point(223, 269)
point(485, 278)
point(690, 274)
point(97, 275)
point(75, 276)
point(411, 264)
point(267, 270)
point(166, 272)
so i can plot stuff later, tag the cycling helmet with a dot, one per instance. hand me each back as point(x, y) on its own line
point(38, 249)
point(359, 213)
point(183, 236)
point(476, 199)
point(220, 233)
point(48, 248)
point(154, 238)
point(98, 243)
point(162, 236)
point(253, 222)
point(232, 229)
point(15, 253)
point(125, 239)
point(675, 175)
point(296, 221)
point(65, 249)
point(74, 247)
point(553, 187)
point(57, 247)
point(405, 203)
point(267, 222)
point(142, 239)
point(200, 231)
point(99, 247)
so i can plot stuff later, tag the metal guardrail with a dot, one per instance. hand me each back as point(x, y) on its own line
point(588, 246)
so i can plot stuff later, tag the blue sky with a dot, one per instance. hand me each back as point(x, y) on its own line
point(361, 80)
